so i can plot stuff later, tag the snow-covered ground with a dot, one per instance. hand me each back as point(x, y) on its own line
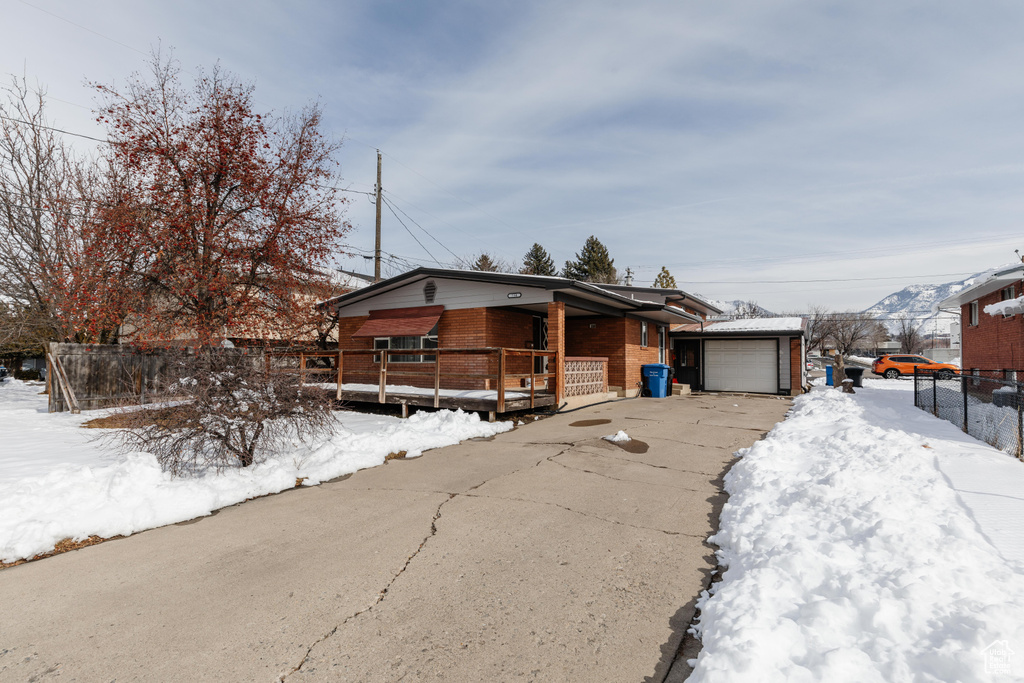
point(866, 540)
point(57, 482)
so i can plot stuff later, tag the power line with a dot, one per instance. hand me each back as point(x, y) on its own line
point(409, 231)
point(849, 279)
point(391, 203)
point(450, 194)
point(58, 130)
point(84, 28)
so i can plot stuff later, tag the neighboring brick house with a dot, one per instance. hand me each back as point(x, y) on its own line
point(992, 323)
point(451, 309)
point(758, 355)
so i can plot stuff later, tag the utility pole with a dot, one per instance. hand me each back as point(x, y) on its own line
point(376, 248)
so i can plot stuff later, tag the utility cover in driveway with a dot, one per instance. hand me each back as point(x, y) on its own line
point(741, 365)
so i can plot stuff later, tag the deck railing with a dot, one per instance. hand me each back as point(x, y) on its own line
point(331, 366)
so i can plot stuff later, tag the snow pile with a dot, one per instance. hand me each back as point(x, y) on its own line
point(850, 556)
point(617, 437)
point(1008, 307)
point(56, 483)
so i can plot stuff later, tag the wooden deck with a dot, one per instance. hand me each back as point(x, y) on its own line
point(540, 390)
point(450, 402)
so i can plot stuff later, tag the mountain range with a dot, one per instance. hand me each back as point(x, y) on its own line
point(919, 302)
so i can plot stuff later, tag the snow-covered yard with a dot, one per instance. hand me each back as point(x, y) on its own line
point(865, 540)
point(56, 482)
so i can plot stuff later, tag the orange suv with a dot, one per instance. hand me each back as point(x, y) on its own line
point(892, 366)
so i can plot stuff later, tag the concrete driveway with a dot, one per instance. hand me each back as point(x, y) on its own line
point(543, 554)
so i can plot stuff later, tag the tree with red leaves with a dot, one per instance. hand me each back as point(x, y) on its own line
point(223, 217)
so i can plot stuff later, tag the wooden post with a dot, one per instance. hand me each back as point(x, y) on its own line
point(963, 390)
point(533, 378)
point(302, 367)
point(376, 246)
point(341, 363)
point(382, 393)
point(65, 385)
point(405, 409)
point(501, 380)
point(437, 378)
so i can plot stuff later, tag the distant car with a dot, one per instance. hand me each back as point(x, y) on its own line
point(894, 365)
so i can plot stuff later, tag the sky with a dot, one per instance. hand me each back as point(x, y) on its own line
point(793, 153)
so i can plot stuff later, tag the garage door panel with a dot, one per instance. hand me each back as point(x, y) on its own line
point(741, 365)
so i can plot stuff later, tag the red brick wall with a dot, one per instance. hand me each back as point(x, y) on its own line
point(995, 343)
point(556, 343)
point(605, 339)
point(618, 339)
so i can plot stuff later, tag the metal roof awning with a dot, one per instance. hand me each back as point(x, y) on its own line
point(401, 322)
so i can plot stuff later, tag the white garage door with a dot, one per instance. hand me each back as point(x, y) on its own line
point(741, 365)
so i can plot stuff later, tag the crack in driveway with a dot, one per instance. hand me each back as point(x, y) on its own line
point(381, 595)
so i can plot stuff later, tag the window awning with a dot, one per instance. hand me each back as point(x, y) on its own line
point(401, 322)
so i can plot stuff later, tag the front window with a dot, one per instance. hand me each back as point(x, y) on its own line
point(1005, 294)
point(427, 342)
point(973, 313)
point(643, 333)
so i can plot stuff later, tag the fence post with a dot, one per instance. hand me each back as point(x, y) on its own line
point(501, 380)
point(935, 401)
point(917, 403)
point(341, 367)
point(963, 388)
point(1020, 427)
point(437, 378)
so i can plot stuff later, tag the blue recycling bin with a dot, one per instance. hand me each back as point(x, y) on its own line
point(828, 375)
point(656, 376)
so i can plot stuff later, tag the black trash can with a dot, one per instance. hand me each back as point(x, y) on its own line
point(856, 374)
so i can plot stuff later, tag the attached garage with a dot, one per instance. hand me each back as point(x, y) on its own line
point(749, 365)
point(758, 355)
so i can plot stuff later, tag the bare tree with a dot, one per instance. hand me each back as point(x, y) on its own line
point(232, 411)
point(845, 331)
point(52, 273)
point(908, 334)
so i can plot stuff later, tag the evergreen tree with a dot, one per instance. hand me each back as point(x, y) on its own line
point(485, 263)
point(592, 264)
point(538, 262)
point(665, 279)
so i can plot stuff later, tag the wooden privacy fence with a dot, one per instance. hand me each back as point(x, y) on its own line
point(330, 366)
point(89, 376)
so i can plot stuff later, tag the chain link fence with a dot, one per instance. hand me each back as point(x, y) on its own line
point(986, 407)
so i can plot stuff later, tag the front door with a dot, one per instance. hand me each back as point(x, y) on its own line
point(687, 362)
point(540, 342)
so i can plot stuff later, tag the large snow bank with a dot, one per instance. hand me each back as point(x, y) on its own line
point(851, 557)
point(56, 482)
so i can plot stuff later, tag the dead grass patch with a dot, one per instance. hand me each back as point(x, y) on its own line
point(63, 546)
point(400, 455)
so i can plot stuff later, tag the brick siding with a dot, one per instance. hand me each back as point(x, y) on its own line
point(995, 343)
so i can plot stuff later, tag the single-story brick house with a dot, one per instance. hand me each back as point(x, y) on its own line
point(759, 355)
point(992, 323)
point(601, 328)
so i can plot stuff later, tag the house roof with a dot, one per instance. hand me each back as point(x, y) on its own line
point(747, 326)
point(582, 291)
point(996, 280)
point(677, 296)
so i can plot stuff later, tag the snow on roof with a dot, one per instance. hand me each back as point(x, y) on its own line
point(1008, 307)
point(757, 325)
